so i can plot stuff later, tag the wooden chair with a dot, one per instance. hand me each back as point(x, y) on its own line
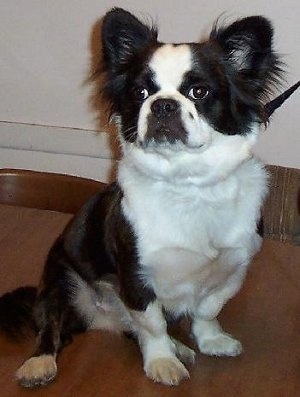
point(281, 211)
point(47, 191)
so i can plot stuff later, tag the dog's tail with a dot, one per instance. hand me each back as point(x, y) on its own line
point(16, 312)
point(271, 106)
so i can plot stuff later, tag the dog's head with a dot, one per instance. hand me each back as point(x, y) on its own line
point(182, 97)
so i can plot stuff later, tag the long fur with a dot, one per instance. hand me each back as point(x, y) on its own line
point(175, 234)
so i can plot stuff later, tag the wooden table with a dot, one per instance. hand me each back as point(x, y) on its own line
point(265, 316)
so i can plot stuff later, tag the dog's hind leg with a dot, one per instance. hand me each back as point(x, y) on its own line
point(183, 352)
point(41, 367)
point(56, 321)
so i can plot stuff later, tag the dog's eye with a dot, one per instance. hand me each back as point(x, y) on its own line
point(141, 93)
point(198, 92)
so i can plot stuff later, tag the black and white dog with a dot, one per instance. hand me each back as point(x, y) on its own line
point(175, 234)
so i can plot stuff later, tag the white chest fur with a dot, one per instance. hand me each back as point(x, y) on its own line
point(192, 238)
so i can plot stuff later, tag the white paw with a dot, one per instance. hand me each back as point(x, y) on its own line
point(169, 371)
point(221, 345)
point(37, 371)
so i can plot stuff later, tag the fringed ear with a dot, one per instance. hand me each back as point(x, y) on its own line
point(247, 46)
point(123, 35)
point(247, 42)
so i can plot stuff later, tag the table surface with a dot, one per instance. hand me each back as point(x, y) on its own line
point(265, 316)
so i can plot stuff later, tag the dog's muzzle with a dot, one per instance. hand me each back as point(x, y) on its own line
point(164, 124)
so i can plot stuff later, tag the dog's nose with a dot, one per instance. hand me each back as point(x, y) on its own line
point(164, 107)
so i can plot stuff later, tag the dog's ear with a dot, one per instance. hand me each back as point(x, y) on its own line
point(247, 46)
point(123, 35)
point(246, 42)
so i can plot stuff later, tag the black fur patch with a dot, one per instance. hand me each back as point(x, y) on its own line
point(135, 294)
point(16, 312)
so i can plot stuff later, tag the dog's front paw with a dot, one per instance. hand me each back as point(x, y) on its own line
point(169, 371)
point(221, 345)
point(37, 371)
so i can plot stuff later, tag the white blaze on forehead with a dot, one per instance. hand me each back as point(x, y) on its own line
point(169, 64)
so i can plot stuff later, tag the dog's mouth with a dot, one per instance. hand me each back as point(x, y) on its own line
point(164, 146)
point(166, 134)
point(165, 140)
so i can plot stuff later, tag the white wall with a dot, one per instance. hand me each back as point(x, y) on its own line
point(45, 55)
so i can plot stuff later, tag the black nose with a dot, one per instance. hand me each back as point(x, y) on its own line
point(164, 107)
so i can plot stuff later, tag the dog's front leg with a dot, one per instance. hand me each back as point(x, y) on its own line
point(161, 354)
point(158, 349)
point(210, 337)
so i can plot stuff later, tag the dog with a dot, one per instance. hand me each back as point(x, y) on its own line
point(176, 232)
